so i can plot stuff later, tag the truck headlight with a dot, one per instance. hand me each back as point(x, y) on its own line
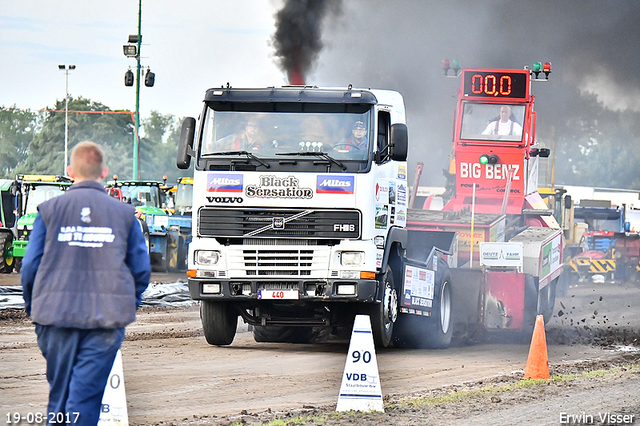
point(207, 257)
point(351, 258)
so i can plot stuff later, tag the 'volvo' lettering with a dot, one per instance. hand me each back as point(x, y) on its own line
point(225, 200)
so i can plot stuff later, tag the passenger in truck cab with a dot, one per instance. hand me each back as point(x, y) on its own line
point(247, 139)
point(503, 125)
point(357, 144)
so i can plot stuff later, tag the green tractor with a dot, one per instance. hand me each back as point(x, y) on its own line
point(29, 191)
point(7, 225)
point(150, 201)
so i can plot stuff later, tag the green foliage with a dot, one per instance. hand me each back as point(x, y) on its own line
point(596, 146)
point(34, 142)
point(86, 120)
point(592, 145)
point(159, 147)
point(16, 132)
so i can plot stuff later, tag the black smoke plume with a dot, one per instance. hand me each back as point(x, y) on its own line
point(298, 36)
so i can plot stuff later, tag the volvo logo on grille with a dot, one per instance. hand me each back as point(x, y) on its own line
point(278, 223)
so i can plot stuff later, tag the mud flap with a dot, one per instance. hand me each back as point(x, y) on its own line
point(504, 301)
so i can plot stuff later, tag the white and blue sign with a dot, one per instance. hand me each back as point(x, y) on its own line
point(335, 184)
point(224, 182)
point(360, 389)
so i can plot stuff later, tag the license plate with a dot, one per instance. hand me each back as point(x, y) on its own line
point(278, 294)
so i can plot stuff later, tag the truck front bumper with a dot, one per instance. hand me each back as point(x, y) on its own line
point(338, 290)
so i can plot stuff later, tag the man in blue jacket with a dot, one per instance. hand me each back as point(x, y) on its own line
point(83, 275)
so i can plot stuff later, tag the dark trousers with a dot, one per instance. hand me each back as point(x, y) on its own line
point(78, 366)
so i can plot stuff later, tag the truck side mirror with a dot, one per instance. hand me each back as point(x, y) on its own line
point(399, 142)
point(568, 203)
point(14, 189)
point(185, 147)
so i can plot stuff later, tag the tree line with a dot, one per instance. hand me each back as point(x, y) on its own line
point(592, 145)
point(33, 142)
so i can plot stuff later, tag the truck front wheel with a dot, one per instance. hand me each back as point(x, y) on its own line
point(219, 322)
point(384, 314)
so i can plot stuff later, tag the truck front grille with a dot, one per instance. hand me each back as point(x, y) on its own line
point(277, 262)
point(278, 223)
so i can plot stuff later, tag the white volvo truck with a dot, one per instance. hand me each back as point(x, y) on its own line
point(295, 225)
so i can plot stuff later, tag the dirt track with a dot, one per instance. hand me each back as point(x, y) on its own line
point(172, 374)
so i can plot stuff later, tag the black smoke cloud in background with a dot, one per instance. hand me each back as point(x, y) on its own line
point(400, 45)
point(298, 37)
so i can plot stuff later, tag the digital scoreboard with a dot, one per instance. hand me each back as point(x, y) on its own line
point(496, 84)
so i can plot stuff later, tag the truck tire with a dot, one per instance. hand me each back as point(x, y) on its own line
point(547, 300)
point(177, 256)
point(439, 325)
point(145, 233)
point(435, 332)
point(6, 261)
point(530, 307)
point(158, 263)
point(384, 314)
point(219, 322)
point(282, 334)
point(183, 254)
point(564, 281)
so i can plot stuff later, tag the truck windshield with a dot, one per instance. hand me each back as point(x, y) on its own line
point(184, 197)
point(492, 122)
point(344, 136)
point(39, 194)
point(143, 195)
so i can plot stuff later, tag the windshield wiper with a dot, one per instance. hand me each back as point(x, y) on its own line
point(316, 154)
point(247, 153)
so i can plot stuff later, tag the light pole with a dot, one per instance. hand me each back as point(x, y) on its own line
point(132, 50)
point(66, 69)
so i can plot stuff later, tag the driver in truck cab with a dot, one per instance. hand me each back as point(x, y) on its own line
point(247, 139)
point(358, 143)
point(504, 125)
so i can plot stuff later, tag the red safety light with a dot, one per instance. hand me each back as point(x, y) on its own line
point(446, 66)
point(546, 69)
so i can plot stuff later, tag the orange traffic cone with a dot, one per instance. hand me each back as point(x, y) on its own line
point(538, 361)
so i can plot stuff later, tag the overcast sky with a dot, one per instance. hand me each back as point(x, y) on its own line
point(190, 46)
point(193, 45)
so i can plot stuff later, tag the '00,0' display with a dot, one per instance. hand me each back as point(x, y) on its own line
point(495, 85)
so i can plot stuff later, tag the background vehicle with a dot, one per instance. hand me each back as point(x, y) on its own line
point(30, 191)
point(180, 220)
point(610, 245)
point(161, 230)
point(297, 232)
point(7, 225)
